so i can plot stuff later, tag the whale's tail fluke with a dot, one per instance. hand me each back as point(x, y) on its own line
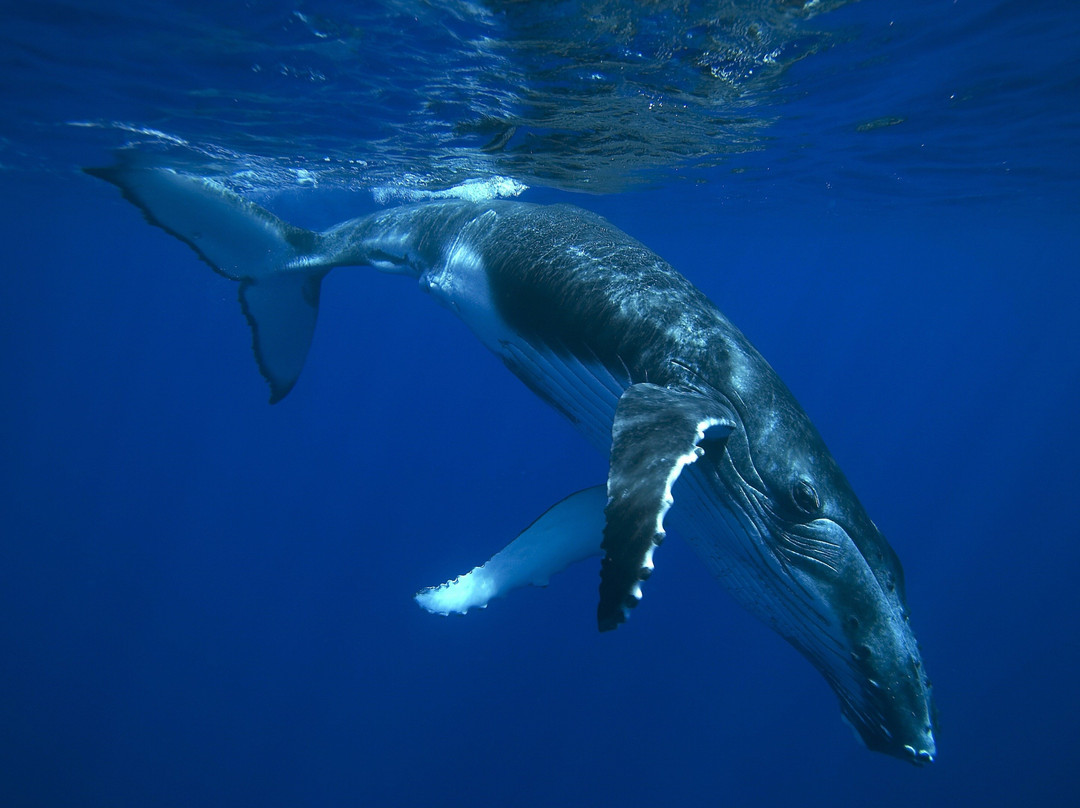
point(279, 267)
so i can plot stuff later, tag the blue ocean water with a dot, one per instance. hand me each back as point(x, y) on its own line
point(206, 600)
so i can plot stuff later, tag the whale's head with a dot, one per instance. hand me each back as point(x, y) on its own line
point(820, 572)
point(864, 645)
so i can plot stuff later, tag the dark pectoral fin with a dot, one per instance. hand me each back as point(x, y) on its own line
point(656, 432)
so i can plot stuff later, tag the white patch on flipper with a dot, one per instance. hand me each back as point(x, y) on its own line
point(680, 463)
point(569, 531)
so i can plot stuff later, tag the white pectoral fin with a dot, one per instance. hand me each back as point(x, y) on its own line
point(569, 531)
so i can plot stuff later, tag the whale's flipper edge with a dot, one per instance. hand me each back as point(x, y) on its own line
point(656, 433)
point(568, 532)
point(278, 265)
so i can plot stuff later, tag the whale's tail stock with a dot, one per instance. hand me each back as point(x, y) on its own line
point(279, 267)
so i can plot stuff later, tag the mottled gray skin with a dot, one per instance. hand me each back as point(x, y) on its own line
point(769, 509)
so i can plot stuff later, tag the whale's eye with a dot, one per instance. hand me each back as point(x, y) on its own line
point(806, 497)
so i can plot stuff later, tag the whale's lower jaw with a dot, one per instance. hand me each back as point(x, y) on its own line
point(885, 700)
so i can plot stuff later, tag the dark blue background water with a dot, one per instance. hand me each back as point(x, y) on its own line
point(205, 600)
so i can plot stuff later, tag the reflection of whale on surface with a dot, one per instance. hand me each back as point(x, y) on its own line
point(652, 373)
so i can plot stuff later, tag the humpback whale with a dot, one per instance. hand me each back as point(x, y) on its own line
point(690, 415)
